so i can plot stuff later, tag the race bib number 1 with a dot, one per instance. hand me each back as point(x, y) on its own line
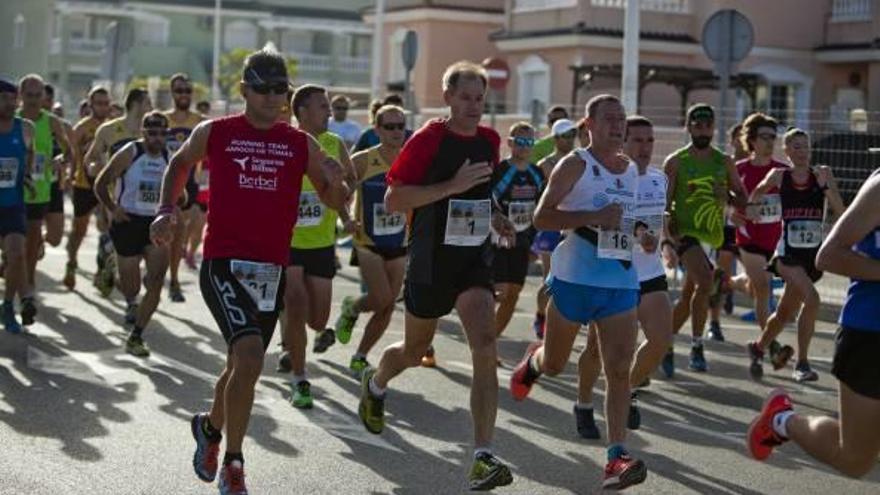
point(804, 233)
point(468, 222)
point(8, 172)
point(311, 210)
point(260, 280)
point(520, 214)
point(385, 223)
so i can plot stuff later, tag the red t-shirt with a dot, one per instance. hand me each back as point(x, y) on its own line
point(763, 234)
point(255, 182)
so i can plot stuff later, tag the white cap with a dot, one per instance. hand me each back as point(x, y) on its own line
point(562, 126)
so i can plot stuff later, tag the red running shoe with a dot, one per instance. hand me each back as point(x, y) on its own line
point(232, 479)
point(761, 439)
point(624, 472)
point(523, 376)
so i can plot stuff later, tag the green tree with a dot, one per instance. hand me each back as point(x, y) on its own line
point(231, 63)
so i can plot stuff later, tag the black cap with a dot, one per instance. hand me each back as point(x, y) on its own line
point(7, 86)
point(700, 111)
point(265, 68)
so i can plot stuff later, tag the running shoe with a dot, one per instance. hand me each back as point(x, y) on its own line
point(284, 365)
point(302, 395)
point(624, 472)
point(232, 479)
point(137, 347)
point(668, 363)
point(69, 275)
point(756, 359)
point(761, 438)
point(175, 293)
point(780, 357)
point(728, 303)
point(539, 325)
point(357, 366)
point(524, 376)
point(28, 311)
point(10, 322)
point(698, 359)
point(105, 245)
point(346, 320)
point(804, 373)
point(131, 313)
point(586, 423)
point(715, 332)
point(428, 360)
point(105, 278)
point(325, 339)
point(371, 408)
point(487, 472)
point(634, 419)
point(207, 450)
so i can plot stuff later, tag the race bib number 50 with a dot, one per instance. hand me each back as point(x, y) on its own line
point(468, 222)
point(260, 280)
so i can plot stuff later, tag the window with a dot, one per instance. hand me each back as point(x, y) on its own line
point(396, 70)
point(361, 45)
point(322, 43)
point(151, 33)
point(296, 41)
point(240, 34)
point(534, 85)
point(18, 33)
point(534, 5)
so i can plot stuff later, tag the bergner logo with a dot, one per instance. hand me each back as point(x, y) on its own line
point(257, 182)
point(242, 162)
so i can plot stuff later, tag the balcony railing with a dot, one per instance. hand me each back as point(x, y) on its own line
point(309, 62)
point(851, 10)
point(662, 6)
point(78, 46)
point(536, 5)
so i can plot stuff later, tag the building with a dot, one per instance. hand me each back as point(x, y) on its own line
point(71, 41)
point(813, 60)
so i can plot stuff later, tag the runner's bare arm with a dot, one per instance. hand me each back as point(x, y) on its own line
point(117, 166)
point(61, 136)
point(192, 151)
point(670, 168)
point(359, 162)
point(548, 216)
point(738, 196)
point(328, 177)
point(27, 131)
point(859, 220)
point(95, 154)
point(773, 179)
point(832, 193)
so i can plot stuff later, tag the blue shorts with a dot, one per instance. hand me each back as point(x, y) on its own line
point(12, 220)
point(546, 241)
point(585, 303)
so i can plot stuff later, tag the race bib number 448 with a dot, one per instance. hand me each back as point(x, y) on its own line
point(520, 214)
point(311, 210)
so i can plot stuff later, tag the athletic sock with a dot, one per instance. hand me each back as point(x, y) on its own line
point(615, 451)
point(697, 341)
point(779, 423)
point(297, 379)
point(233, 456)
point(212, 433)
point(375, 390)
point(533, 370)
point(584, 406)
point(359, 356)
point(482, 451)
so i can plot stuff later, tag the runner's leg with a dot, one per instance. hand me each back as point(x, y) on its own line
point(508, 295)
point(475, 307)
point(655, 316)
point(759, 282)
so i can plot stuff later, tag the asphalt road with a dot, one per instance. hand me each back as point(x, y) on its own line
point(78, 415)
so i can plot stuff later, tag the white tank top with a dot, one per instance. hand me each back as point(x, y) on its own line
point(137, 191)
point(649, 214)
point(577, 260)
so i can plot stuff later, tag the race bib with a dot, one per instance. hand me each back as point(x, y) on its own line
point(311, 210)
point(468, 222)
point(385, 223)
point(260, 280)
point(804, 233)
point(8, 172)
point(147, 195)
point(770, 209)
point(204, 180)
point(617, 244)
point(520, 214)
point(39, 166)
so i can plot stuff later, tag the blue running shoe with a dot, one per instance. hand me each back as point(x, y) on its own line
point(698, 361)
point(10, 323)
point(207, 450)
point(668, 363)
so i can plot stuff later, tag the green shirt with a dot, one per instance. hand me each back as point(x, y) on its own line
point(42, 172)
point(316, 224)
point(544, 147)
point(697, 212)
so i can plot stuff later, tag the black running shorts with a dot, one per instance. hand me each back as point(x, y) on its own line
point(855, 361)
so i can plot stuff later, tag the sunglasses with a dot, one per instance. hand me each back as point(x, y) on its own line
point(183, 91)
point(394, 127)
point(264, 89)
point(568, 135)
point(524, 142)
point(767, 136)
point(156, 132)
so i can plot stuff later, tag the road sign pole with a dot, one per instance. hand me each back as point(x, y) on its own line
point(724, 74)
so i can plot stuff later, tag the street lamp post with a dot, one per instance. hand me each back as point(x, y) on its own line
point(378, 25)
point(215, 71)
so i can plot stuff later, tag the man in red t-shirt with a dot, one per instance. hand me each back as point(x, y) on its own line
point(442, 175)
point(257, 167)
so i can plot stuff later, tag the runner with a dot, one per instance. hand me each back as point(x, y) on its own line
point(110, 137)
point(257, 165)
point(312, 267)
point(443, 175)
point(380, 239)
point(84, 200)
point(803, 193)
point(654, 310)
point(139, 167)
point(340, 124)
point(546, 145)
point(592, 195)
point(369, 137)
point(47, 129)
point(757, 239)
point(182, 121)
point(84, 109)
point(702, 181)
point(204, 107)
point(197, 221)
point(583, 133)
point(563, 133)
point(516, 187)
point(16, 165)
point(851, 442)
point(62, 163)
